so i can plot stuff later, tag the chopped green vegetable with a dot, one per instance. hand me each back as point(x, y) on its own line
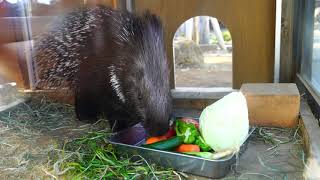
point(188, 131)
point(202, 144)
point(168, 144)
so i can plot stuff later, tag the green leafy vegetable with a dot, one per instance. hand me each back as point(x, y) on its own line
point(202, 144)
point(224, 125)
point(188, 131)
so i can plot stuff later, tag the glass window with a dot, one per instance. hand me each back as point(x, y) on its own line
point(21, 21)
point(315, 76)
point(310, 66)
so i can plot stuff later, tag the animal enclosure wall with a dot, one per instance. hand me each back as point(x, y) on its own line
point(251, 23)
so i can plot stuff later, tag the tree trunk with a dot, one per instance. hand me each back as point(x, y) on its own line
point(195, 36)
point(204, 30)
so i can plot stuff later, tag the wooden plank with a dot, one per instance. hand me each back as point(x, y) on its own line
point(114, 3)
point(196, 104)
point(252, 27)
point(287, 67)
point(10, 70)
point(61, 96)
point(272, 104)
point(7, 34)
point(199, 101)
point(200, 93)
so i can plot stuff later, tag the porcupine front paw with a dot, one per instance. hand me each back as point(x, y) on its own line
point(86, 109)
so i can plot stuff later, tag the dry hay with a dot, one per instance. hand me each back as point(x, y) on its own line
point(43, 140)
point(273, 153)
point(31, 130)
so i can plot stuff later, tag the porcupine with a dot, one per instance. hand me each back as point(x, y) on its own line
point(115, 61)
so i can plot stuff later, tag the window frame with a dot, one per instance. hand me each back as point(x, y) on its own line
point(302, 46)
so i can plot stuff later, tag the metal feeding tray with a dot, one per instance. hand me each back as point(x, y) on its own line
point(128, 142)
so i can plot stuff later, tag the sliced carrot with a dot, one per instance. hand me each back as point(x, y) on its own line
point(155, 139)
point(188, 148)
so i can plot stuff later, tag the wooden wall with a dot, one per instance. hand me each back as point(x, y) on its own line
point(251, 24)
point(9, 67)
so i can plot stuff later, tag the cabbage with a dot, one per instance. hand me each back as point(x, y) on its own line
point(224, 125)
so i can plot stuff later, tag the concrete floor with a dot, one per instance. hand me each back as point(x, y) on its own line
point(258, 164)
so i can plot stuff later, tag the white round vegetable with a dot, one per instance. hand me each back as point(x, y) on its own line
point(224, 125)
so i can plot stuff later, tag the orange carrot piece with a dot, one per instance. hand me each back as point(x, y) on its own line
point(188, 148)
point(155, 139)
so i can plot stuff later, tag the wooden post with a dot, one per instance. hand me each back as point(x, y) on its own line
point(114, 4)
point(287, 69)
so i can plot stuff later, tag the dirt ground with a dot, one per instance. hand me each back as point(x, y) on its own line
point(216, 71)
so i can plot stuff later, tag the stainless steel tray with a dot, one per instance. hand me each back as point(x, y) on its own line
point(129, 141)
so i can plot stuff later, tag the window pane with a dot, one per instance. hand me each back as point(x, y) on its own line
point(315, 75)
point(310, 67)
